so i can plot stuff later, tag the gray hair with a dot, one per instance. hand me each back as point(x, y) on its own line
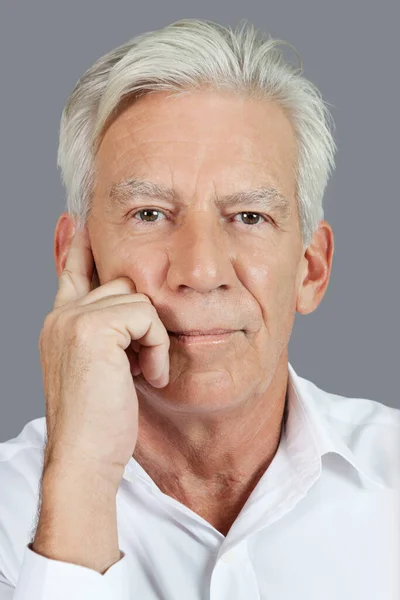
point(187, 55)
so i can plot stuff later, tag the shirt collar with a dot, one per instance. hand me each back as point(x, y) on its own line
point(303, 420)
point(307, 399)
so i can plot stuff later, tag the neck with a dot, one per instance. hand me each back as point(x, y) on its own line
point(196, 457)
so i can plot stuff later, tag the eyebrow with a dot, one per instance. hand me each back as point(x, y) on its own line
point(265, 197)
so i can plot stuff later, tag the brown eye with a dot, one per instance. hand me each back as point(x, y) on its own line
point(149, 215)
point(251, 218)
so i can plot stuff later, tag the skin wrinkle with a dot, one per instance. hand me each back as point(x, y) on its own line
point(209, 435)
point(268, 198)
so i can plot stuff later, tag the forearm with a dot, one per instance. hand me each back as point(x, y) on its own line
point(78, 520)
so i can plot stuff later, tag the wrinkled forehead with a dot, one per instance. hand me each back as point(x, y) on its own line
point(223, 138)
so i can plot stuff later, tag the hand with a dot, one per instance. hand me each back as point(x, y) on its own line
point(91, 402)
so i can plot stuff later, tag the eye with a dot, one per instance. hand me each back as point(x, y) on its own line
point(150, 215)
point(252, 217)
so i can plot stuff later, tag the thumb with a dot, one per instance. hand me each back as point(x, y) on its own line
point(75, 280)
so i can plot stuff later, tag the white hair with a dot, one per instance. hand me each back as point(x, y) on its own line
point(195, 54)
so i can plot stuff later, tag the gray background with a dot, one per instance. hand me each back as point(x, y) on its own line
point(349, 50)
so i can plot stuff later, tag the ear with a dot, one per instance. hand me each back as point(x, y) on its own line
point(63, 234)
point(317, 262)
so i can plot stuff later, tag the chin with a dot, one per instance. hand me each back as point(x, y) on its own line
point(200, 392)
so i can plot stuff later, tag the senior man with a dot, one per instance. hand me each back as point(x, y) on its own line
point(181, 456)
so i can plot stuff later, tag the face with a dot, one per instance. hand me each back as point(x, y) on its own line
point(205, 265)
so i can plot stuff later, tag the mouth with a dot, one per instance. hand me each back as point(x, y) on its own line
point(201, 332)
point(212, 336)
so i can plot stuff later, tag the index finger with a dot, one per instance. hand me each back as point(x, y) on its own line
point(75, 280)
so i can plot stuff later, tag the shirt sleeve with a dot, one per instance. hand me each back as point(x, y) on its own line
point(42, 578)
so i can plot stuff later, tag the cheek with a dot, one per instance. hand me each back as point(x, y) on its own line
point(144, 263)
point(113, 258)
point(273, 286)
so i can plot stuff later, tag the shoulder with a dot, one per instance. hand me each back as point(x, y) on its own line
point(21, 463)
point(368, 428)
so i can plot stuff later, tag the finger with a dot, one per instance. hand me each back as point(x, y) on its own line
point(114, 299)
point(148, 359)
point(133, 361)
point(122, 285)
point(75, 279)
point(144, 326)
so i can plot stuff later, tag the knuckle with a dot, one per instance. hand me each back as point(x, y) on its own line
point(147, 305)
point(82, 324)
point(128, 283)
point(143, 298)
point(150, 309)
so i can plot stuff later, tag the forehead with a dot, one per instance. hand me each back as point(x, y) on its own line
point(220, 137)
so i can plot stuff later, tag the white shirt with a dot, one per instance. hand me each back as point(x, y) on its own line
point(323, 522)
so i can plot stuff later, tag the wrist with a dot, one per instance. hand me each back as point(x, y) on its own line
point(65, 468)
point(77, 520)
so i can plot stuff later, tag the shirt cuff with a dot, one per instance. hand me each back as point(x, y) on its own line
point(42, 578)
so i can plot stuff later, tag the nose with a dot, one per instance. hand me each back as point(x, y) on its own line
point(200, 255)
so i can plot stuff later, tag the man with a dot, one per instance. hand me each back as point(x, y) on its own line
point(183, 455)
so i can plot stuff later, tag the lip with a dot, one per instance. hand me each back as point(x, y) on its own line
point(204, 338)
point(203, 332)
